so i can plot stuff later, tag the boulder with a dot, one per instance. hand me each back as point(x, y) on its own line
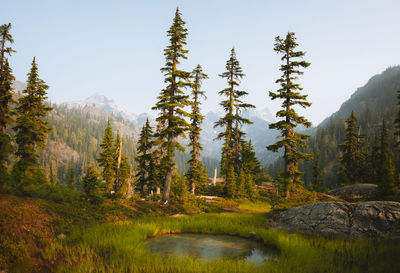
point(379, 219)
point(354, 192)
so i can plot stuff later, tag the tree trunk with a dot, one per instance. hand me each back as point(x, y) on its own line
point(168, 179)
point(192, 188)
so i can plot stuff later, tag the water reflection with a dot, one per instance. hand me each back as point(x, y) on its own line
point(206, 246)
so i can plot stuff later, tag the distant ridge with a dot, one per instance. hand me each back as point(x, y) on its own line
point(377, 95)
point(101, 101)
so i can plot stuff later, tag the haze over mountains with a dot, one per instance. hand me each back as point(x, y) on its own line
point(374, 101)
point(258, 132)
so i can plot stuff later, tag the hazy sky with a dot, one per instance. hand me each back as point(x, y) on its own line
point(116, 47)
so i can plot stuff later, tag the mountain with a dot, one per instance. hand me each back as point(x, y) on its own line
point(374, 102)
point(102, 102)
point(258, 132)
point(378, 96)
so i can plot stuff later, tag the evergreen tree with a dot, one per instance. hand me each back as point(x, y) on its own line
point(249, 185)
point(106, 159)
point(241, 184)
point(5, 37)
point(124, 177)
point(230, 181)
point(172, 99)
point(6, 113)
point(354, 156)
point(31, 128)
point(250, 164)
point(374, 161)
point(318, 174)
point(291, 96)
point(52, 178)
point(386, 177)
point(71, 182)
point(92, 186)
point(122, 169)
point(6, 99)
point(144, 158)
point(397, 121)
point(194, 174)
point(232, 121)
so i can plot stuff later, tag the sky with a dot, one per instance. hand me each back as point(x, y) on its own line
point(115, 48)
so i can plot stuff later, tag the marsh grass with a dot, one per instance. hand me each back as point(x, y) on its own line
point(121, 247)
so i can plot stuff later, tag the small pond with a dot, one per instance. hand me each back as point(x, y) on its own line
point(207, 246)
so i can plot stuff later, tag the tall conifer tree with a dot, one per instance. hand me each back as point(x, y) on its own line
point(232, 121)
point(71, 182)
point(291, 96)
point(172, 99)
point(6, 98)
point(5, 37)
point(386, 177)
point(354, 156)
point(397, 121)
point(196, 167)
point(31, 128)
point(145, 168)
point(92, 186)
point(122, 169)
point(6, 114)
point(318, 174)
point(106, 159)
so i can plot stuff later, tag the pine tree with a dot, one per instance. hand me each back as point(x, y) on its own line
point(232, 121)
point(6, 99)
point(122, 169)
point(31, 128)
point(5, 37)
point(6, 113)
point(241, 184)
point(172, 99)
point(231, 179)
point(397, 121)
point(249, 185)
point(386, 178)
point(354, 156)
point(124, 177)
point(291, 96)
point(145, 158)
point(92, 186)
point(374, 161)
point(71, 182)
point(250, 163)
point(318, 174)
point(194, 174)
point(106, 159)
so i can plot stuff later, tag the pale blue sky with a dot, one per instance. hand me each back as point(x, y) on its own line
point(116, 47)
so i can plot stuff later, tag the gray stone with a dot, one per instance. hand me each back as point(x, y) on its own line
point(354, 192)
point(336, 219)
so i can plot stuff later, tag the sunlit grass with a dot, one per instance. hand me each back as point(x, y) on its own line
point(121, 247)
point(254, 206)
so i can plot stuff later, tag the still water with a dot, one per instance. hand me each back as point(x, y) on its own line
point(206, 246)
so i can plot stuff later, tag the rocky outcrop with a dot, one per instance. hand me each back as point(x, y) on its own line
point(336, 219)
point(354, 192)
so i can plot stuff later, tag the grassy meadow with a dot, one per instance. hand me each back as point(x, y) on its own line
point(121, 247)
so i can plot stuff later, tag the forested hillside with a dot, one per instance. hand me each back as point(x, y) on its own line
point(75, 138)
point(372, 103)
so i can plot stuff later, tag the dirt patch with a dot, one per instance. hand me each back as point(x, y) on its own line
point(25, 230)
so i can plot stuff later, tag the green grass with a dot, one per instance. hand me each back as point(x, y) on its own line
point(121, 247)
point(254, 206)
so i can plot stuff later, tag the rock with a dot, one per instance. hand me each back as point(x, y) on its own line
point(177, 215)
point(354, 192)
point(60, 236)
point(379, 219)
